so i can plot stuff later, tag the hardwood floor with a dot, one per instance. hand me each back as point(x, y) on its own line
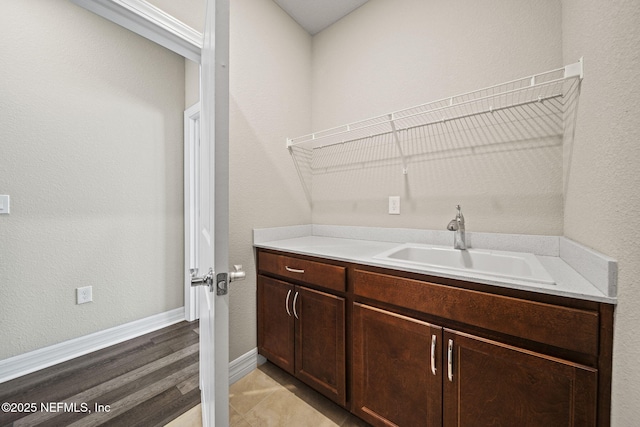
point(147, 381)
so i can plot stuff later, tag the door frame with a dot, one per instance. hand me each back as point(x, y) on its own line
point(191, 160)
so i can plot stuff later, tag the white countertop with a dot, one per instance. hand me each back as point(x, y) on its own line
point(568, 282)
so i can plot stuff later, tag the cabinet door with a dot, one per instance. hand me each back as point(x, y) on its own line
point(491, 384)
point(320, 342)
point(276, 322)
point(397, 375)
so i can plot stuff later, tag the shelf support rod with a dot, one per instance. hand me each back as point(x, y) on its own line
point(397, 141)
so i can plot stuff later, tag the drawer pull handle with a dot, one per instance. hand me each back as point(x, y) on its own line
point(433, 354)
point(286, 304)
point(295, 298)
point(293, 270)
point(450, 361)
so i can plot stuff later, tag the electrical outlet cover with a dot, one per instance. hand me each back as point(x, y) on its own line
point(394, 205)
point(84, 295)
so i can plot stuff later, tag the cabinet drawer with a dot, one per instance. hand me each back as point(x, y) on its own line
point(563, 327)
point(311, 272)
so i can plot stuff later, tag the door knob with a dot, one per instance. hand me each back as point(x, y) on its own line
point(207, 279)
point(238, 274)
point(221, 279)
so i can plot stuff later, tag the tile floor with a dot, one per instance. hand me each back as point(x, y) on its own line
point(269, 397)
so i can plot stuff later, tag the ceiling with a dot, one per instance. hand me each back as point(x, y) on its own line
point(316, 15)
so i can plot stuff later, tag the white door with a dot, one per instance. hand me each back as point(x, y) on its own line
point(213, 218)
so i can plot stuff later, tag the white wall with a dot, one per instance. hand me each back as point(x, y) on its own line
point(603, 198)
point(190, 12)
point(387, 56)
point(191, 83)
point(91, 155)
point(269, 72)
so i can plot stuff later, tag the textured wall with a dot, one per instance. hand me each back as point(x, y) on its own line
point(191, 83)
point(191, 12)
point(387, 56)
point(603, 197)
point(91, 154)
point(270, 60)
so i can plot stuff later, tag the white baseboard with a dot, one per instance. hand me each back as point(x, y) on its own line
point(32, 361)
point(243, 365)
point(36, 360)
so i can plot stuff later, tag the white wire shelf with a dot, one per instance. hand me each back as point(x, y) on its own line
point(530, 108)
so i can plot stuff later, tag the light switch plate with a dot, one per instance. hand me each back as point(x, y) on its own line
point(4, 204)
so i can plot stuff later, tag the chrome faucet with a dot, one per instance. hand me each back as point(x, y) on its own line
point(457, 225)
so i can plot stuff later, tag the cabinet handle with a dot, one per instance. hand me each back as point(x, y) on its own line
point(450, 361)
point(286, 304)
point(293, 270)
point(295, 298)
point(433, 354)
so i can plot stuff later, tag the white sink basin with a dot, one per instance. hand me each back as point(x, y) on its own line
point(501, 264)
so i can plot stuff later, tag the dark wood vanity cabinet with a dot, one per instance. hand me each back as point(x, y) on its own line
point(407, 372)
point(486, 359)
point(320, 343)
point(302, 329)
point(276, 324)
point(488, 383)
point(396, 376)
point(425, 351)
